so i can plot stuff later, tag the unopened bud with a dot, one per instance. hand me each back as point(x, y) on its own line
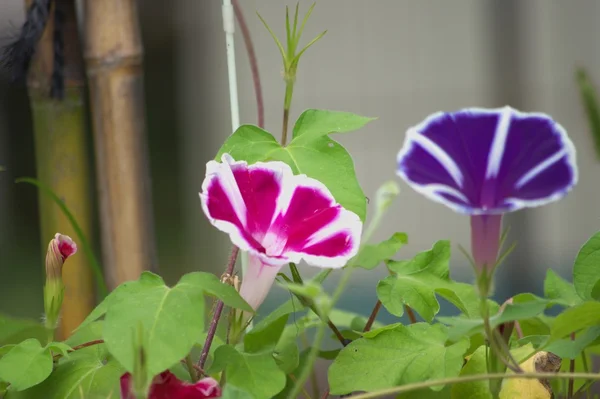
point(59, 249)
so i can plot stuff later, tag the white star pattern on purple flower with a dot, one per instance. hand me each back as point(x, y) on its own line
point(488, 161)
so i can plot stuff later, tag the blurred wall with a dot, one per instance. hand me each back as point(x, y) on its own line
point(399, 60)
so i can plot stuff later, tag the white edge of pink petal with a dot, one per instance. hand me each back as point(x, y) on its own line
point(348, 219)
point(214, 171)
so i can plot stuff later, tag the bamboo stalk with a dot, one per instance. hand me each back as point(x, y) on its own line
point(113, 54)
point(61, 150)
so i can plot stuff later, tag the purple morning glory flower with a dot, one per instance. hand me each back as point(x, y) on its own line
point(486, 162)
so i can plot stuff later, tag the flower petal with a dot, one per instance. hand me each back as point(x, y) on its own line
point(313, 227)
point(488, 161)
point(258, 280)
point(241, 200)
point(65, 245)
point(167, 386)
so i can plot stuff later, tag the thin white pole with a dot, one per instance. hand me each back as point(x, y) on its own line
point(229, 27)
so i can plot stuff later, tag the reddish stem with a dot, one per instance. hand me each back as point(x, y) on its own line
point(253, 62)
point(84, 345)
point(212, 329)
point(373, 316)
point(411, 314)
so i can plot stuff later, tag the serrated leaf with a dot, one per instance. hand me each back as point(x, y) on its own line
point(25, 365)
point(391, 358)
point(586, 271)
point(255, 373)
point(576, 318)
point(370, 256)
point(560, 290)
point(172, 320)
point(416, 283)
point(313, 123)
point(214, 287)
point(87, 378)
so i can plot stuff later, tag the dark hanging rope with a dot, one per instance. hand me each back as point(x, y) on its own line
point(16, 57)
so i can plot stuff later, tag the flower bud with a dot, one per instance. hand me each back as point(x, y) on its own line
point(59, 249)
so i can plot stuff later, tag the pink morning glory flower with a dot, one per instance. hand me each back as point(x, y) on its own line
point(277, 217)
point(167, 386)
point(486, 162)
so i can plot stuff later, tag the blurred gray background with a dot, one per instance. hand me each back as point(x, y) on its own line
point(399, 60)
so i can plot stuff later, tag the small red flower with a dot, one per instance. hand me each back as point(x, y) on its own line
point(167, 386)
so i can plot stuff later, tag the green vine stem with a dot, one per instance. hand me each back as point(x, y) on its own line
point(474, 378)
point(314, 351)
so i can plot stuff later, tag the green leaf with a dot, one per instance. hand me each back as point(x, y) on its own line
point(370, 256)
point(264, 336)
point(328, 161)
point(59, 348)
point(465, 327)
point(566, 348)
point(286, 353)
point(6, 348)
point(87, 378)
point(586, 271)
point(560, 290)
point(120, 294)
point(249, 143)
point(232, 392)
point(319, 300)
point(416, 283)
point(214, 287)
point(293, 305)
point(172, 320)
point(322, 159)
point(576, 318)
point(590, 103)
point(279, 46)
point(91, 332)
point(26, 364)
point(255, 373)
point(309, 289)
point(13, 330)
point(313, 123)
point(476, 364)
point(395, 357)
